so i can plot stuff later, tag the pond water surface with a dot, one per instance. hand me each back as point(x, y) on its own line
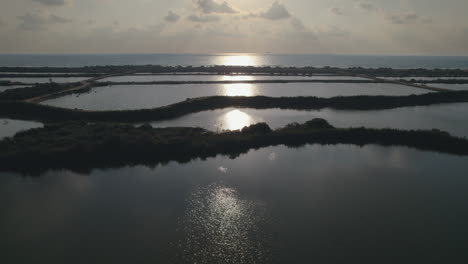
point(329, 204)
point(124, 97)
point(9, 127)
point(455, 87)
point(448, 117)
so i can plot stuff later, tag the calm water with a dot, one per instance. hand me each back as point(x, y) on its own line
point(9, 127)
point(424, 78)
point(45, 80)
point(234, 59)
point(121, 97)
point(329, 204)
point(4, 88)
point(456, 87)
point(149, 78)
point(448, 117)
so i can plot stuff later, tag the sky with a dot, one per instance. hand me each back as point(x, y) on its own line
point(396, 27)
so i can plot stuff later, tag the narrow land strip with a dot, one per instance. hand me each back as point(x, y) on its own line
point(83, 146)
point(38, 112)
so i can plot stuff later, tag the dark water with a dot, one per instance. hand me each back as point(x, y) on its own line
point(124, 97)
point(68, 60)
point(322, 204)
point(9, 127)
point(448, 117)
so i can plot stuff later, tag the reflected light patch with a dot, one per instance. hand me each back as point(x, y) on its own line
point(236, 119)
point(239, 89)
point(223, 169)
point(220, 227)
point(272, 156)
point(238, 78)
point(239, 60)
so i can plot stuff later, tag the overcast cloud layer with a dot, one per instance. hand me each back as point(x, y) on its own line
point(400, 27)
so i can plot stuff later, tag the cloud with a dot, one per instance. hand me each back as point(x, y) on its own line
point(203, 19)
point(337, 11)
point(31, 22)
point(53, 19)
point(277, 11)
point(297, 24)
point(35, 21)
point(52, 2)
point(211, 6)
point(427, 20)
point(408, 19)
point(367, 6)
point(171, 17)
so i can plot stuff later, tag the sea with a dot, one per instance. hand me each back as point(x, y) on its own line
point(298, 60)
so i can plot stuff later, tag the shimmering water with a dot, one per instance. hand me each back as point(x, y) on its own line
point(9, 127)
point(120, 97)
point(448, 117)
point(330, 204)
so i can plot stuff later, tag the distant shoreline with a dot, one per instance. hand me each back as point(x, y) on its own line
point(245, 59)
point(241, 70)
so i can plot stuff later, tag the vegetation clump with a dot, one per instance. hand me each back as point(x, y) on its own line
point(39, 89)
point(260, 128)
point(318, 123)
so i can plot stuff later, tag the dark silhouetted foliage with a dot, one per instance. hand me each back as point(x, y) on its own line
point(83, 146)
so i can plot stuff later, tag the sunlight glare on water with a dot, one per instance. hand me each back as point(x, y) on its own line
point(234, 78)
point(235, 120)
point(220, 227)
point(238, 60)
point(239, 89)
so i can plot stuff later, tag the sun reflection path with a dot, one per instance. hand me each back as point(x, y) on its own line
point(238, 78)
point(238, 60)
point(235, 120)
point(239, 89)
point(220, 227)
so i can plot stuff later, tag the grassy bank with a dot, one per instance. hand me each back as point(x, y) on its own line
point(82, 146)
